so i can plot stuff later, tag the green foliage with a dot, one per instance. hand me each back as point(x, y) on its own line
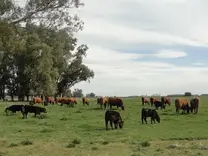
point(40, 58)
point(77, 93)
point(187, 94)
point(90, 95)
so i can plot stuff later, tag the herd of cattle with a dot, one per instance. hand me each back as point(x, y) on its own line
point(180, 103)
point(110, 115)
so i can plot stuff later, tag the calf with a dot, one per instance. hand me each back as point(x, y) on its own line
point(32, 109)
point(13, 109)
point(147, 112)
point(113, 117)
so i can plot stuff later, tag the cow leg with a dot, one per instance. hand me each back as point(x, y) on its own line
point(41, 116)
point(25, 115)
point(105, 105)
point(111, 124)
point(116, 125)
point(145, 119)
point(106, 124)
point(151, 119)
point(142, 120)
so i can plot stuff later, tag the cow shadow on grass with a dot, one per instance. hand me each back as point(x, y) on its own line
point(100, 129)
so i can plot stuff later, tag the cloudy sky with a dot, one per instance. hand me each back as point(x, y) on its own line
point(145, 46)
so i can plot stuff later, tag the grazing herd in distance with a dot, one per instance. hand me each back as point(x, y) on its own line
point(110, 115)
point(180, 103)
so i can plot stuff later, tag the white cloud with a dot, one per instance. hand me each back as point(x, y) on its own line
point(170, 54)
point(199, 64)
point(129, 24)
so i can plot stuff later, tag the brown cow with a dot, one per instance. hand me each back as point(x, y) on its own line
point(103, 102)
point(85, 101)
point(194, 105)
point(50, 100)
point(182, 103)
point(145, 100)
point(112, 101)
point(57, 100)
point(166, 100)
point(36, 100)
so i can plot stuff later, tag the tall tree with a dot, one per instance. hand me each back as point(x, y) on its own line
point(38, 51)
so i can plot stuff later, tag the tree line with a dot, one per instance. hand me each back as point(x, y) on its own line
point(39, 53)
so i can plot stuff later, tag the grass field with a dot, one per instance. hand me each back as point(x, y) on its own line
point(80, 131)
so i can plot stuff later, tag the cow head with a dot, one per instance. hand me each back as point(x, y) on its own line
point(6, 109)
point(43, 110)
point(123, 108)
point(121, 123)
point(157, 117)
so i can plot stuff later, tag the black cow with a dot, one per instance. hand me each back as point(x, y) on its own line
point(194, 105)
point(113, 117)
point(147, 112)
point(32, 109)
point(159, 104)
point(99, 100)
point(14, 108)
point(142, 101)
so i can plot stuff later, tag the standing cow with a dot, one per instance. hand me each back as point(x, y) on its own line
point(85, 101)
point(145, 100)
point(36, 100)
point(194, 105)
point(103, 101)
point(166, 100)
point(114, 101)
point(182, 103)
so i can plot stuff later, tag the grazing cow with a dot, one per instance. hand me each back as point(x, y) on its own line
point(159, 104)
point(103, 102)
point(58, 100)
point(145, 100)
point(36, 100)
point(68, 101)
point(148, 112)
point(73, 100)
point(13, 109)
point(113, 117)
point(85, 101)
point(181, 103)
point(153, 100)
point(194, 105)
point(32, 109)
point(166, 100)
point(112, 101)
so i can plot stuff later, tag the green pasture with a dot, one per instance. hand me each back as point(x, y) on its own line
point(80, 131)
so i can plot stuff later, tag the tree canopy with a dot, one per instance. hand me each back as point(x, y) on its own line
point(39, 53)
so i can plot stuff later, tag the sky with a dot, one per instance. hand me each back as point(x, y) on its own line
point(145, 47)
